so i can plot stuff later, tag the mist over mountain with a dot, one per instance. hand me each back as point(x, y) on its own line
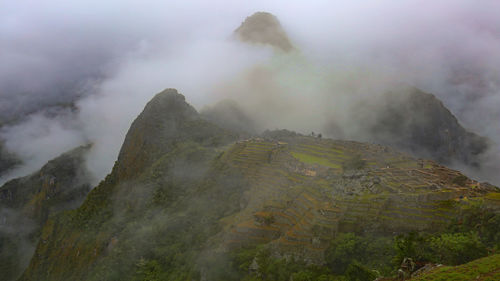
point(264, 28)
point(301, 128)
point(187, 199)
point(95, 57)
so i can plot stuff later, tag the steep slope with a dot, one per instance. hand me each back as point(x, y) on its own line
point(160, 168)
point(26, 203)
point(184, 193)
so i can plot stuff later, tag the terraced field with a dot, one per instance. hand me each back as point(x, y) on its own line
point(302, 193)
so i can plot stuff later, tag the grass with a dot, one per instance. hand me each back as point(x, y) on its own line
point(487, 268)
point(310, 159)
point(493, 196)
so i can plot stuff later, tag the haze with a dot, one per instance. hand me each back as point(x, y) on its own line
point(110, 58)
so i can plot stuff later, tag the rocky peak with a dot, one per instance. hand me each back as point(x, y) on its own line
point(149, 133)
point(167, 120)
point(264, 28)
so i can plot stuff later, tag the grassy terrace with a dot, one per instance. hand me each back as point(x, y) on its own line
point(312, 159)
point(298, 203)
point(493, 196)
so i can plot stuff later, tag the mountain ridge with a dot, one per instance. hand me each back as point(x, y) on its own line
point(210, 192)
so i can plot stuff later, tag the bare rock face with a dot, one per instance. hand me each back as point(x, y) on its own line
point(264, 28)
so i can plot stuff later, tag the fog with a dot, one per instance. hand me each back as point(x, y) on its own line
point(109, 59)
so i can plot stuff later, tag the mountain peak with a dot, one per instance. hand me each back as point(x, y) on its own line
point(166, 121)
point(172, 100)
point(264, 28)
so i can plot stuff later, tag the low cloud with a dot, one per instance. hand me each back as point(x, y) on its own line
point(346, 51)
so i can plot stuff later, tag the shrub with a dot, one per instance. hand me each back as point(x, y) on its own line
point(342, 252)
point(460, 180)
point(355, 163)
point(357, 272)
point(457, 248)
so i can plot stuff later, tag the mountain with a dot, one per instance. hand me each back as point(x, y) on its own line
point(26, 203)
point(7, 159)
point(405, 117)
point(186, 197)
point(264, 28)
point(229, 115)
point(418, 122)
point(19, 115)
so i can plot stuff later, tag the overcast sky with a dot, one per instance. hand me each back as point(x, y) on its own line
point(117, 54)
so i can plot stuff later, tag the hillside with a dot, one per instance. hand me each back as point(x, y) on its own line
point(27, 202)
point(485, 269)
point(186, 194)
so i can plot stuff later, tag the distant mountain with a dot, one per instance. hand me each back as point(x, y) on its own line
point(417, 122)
point(185, 194)
point(7, 159)
point(204, 196)
point(406, 117)
point(229, 115)
point(26, 203)
point(264, 28)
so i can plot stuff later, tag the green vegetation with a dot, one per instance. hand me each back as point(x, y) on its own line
point(446, 248)
point(476, 217)
point(258, 264)
point(357, 272)
point(348, 248)
point(311, 159)
point(61, 184)
point(354, 163)
point(180, 203)
point(360, 258)
point(457, 248)
point(485, 269)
